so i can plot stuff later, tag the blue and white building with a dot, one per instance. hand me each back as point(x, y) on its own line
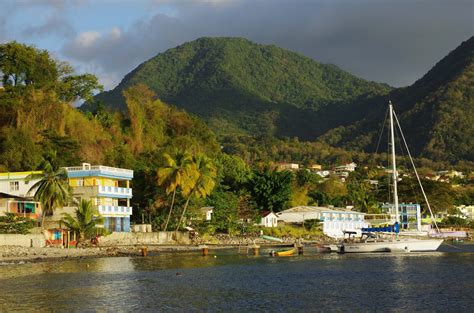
point(108, 188)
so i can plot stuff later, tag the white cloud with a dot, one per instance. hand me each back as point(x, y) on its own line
point(86, 39)
point(115, 33)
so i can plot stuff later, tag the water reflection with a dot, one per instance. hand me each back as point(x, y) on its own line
point(239, 282)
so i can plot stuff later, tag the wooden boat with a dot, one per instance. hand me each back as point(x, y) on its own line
point(283, 253)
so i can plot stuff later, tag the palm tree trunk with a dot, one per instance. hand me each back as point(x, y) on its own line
point(182, 214)
point(171, 209)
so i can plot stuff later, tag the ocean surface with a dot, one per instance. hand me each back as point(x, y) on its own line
point(227, 280)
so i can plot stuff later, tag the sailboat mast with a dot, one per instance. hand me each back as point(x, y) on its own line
point(394, 165)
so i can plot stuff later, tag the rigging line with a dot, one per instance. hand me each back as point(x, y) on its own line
point(416, 172)
point(381, 131)
point(412, 186)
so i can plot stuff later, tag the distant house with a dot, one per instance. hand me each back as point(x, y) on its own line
point(315, 167)
point(287, 166)
point(268, 219)
point(206, 213)
point(323, 174)
point(334, 221)
point(467, 211)
point(350, 167)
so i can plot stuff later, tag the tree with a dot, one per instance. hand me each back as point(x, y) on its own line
point(205, 173)
point(270, 189)
point(52, 189)
point(175, 174)
point(86, 220)
point(26, 66)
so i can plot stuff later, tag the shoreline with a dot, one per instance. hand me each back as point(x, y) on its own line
point(11, 255)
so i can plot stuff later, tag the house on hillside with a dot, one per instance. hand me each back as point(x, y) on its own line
point(268, 219)
point(287, 166)
point(467, 211)
point(315, 167)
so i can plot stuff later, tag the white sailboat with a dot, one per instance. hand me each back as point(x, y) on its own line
point(373, 244)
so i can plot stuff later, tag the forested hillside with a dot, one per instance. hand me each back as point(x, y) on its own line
point(436, 112)
point(240, 87)
point(36, 118)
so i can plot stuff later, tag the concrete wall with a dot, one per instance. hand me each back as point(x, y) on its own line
point(145, 238)
point(30, 240)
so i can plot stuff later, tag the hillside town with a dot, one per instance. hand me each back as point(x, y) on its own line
point(109, 190)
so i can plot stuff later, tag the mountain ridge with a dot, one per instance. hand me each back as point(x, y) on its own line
point(242, 88)
point(241, 83)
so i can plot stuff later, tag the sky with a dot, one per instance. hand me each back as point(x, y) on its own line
point(390, 41)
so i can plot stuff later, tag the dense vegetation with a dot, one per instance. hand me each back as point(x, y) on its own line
point(178, 162)
point(436, 112)
point(240, 87)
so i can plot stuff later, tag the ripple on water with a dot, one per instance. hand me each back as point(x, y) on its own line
point(233, 282)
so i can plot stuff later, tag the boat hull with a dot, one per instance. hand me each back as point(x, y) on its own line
point(408, 245)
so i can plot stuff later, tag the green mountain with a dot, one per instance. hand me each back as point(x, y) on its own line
point(239, 87)
point(245, 89)
point(436, 112)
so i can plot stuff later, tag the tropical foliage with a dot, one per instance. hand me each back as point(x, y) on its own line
point(85, 222)
point(12, 224)
point(52, 189)
point(261, 101)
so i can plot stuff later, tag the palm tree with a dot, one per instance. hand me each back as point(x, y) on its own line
point(175, 174)
point(86, 221)
point(204, 182)
point(52, 189)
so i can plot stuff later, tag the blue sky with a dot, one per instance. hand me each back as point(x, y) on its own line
point(391, 41)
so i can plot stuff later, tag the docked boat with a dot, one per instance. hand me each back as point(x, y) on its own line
point(370, 241)
point(283, 253)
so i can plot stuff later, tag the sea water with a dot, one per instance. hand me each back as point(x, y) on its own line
point(232, 281)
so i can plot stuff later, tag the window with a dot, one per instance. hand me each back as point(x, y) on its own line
point(80, 182)
point(14, 186)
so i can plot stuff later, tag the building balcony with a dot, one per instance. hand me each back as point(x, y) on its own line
point(87, 170)
point(103, 191)
point(114, 210)
point(114, 192)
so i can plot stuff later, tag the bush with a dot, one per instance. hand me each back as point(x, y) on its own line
point(12, 224)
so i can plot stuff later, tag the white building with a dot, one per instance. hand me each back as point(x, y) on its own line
point(467, 211)
point(324, 173)
point(287, 166)
point(334, 221)
point(350, 167)
point(207, 212)
point(269, 219)
point(16, 184)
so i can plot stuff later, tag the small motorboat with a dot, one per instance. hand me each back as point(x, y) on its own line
point(283, 253)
